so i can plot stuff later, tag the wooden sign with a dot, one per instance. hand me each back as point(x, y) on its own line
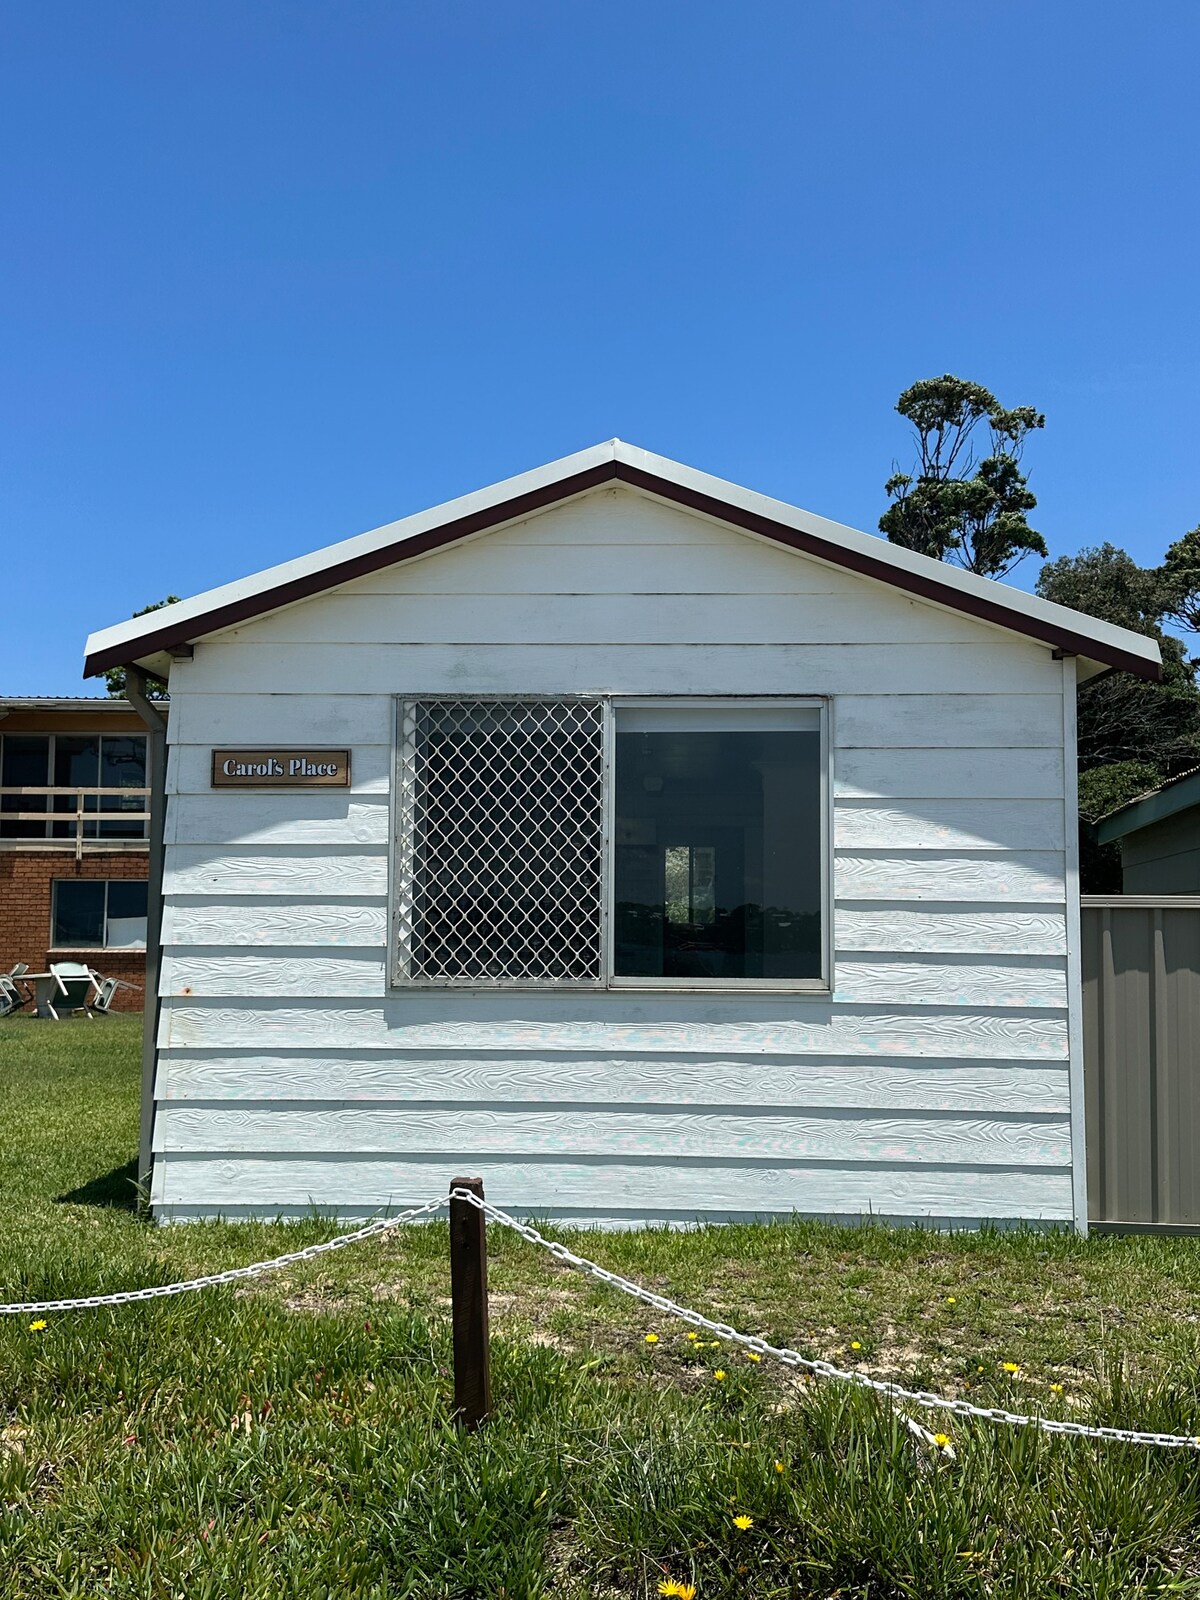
point(281, 769)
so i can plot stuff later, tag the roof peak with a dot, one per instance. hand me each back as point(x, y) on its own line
point(150, 639)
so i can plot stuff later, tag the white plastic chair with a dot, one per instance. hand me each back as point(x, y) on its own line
point(106, 989)
point(12, 996)
point(76, 984)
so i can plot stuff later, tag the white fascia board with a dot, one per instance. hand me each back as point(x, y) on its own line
point(391, 533)
point(895, 556)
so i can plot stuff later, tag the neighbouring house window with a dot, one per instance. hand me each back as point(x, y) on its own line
point(74, 760)
point(24, 760)
point(99, 914)
point(587, 841)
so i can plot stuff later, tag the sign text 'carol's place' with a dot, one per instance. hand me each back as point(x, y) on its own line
point(280, 769)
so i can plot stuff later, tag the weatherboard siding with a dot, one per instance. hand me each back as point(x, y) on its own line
point(932, 1082)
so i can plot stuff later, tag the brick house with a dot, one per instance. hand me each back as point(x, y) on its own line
point(74, 853)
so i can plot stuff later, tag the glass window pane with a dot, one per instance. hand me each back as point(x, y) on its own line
point(718, 865)
point(78, 913)
point(123, 766)
point(24, 759)
point(126, 915)
point(76, 761)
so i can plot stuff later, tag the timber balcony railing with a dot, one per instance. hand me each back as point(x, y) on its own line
point(91, 818)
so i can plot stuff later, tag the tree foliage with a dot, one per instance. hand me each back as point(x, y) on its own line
point(1132, 735)
point(115, 679)
point(957, 506)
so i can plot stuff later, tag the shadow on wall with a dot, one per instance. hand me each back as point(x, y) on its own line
point(116, 1189)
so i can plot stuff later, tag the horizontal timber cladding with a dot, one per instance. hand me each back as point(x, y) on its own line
point(933, 1082)
point(645, 667)
point(672, 1190)
point(949, 774)
point(923, 928)
point(260, 817)
point(958, 824)
point(572, 1022)
point(581, 1080)
point(759, 1136)
point(265, 921)
point(506, 619)
point(1030, 982)
point(338, 870)
point(906, 719)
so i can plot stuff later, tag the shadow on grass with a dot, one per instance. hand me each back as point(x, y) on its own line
point(117, 1189)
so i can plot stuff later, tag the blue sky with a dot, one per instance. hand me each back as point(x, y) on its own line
point(274, 273)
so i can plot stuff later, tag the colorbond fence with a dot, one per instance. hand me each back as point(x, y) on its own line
point(1141, 1032)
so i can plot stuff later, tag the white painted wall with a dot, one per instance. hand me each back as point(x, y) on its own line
point(934, 1082)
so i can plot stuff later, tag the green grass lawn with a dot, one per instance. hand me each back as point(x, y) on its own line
point(290, 1437)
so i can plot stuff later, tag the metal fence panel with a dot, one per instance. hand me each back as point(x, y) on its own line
point(1141, 1036)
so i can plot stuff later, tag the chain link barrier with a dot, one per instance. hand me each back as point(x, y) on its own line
point(258, 1269)
point(823, 1369)
point(661, 1303)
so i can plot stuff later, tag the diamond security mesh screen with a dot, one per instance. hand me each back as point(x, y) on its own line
point(501, 841)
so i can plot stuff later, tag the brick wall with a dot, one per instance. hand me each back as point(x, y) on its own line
point(25, 898)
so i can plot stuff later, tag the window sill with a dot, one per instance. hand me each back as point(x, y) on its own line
point(733, 988)
point(97, 950)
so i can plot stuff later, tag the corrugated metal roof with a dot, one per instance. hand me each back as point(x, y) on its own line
point(50, 702)
point(1177, 794)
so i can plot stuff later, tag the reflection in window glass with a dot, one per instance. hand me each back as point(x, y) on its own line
point(718, 844)
point(123, 766)
point(125, 926)
point(91, 914)
point(24, 759)
point(76, 763)
point(79, 914)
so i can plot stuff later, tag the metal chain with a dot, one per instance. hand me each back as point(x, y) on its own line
point(126, 1297)
point(751, 1342)
point(823, 1369)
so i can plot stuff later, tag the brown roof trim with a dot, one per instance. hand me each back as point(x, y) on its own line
point(317, 582)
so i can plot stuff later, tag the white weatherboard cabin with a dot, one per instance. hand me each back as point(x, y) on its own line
point(646, 845)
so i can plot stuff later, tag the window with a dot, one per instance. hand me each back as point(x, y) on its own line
point(585, 841)
point(500, 873)
point(99, 914)
point(73, 760)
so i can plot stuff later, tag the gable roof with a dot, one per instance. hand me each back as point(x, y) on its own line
point(1156, 805)
point(149, 641)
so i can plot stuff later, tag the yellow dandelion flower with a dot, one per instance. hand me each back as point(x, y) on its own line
point(1056, 1388)
point(779, 1466)
point(743, 1522)
point(693, 1337)
point(752, 1355)
point(651, 1338)
point(1012, 1366)
point(854, 1345)
point(680, 1591)
point(36, 1327)
point(719, 1374)
point(941, 1440)
point(950, 1300)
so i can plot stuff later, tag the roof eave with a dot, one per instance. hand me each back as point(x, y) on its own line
point(169, 630)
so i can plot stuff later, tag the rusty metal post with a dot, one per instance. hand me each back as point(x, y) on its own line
point(469, 1308)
